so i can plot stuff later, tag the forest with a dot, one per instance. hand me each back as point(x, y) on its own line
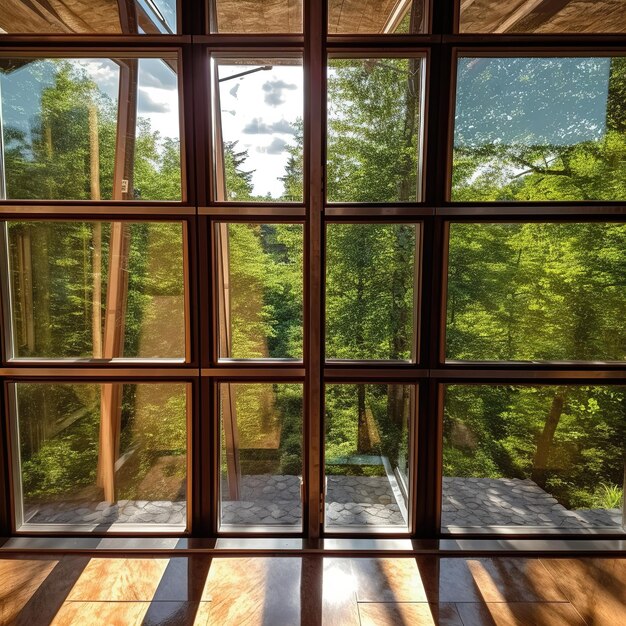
point(530, 292)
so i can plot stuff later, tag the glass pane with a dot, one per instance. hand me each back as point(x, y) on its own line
point(374, 130)
point(68, 135)
point(563, 16)
point(371, 291)
point(258, 134)
point(534, 457)
point(88, 17)
point(367, 455)
point(536, 292)
point(260, 290)
point(101, 457)
point(384, 17)
point(533, 129)
point(96, 289)
point(261, 454)
point(256, 17)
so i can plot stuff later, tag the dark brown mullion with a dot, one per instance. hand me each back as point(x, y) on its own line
point(478, 376)
point(530, 40)
point(6, 330)
point(101, 42)
point(206, 447)
point(372, 371)
point(191, 157)
point(381, 43)
point(535, 212)
point(315, 22)
point(259, 374)
point(5, 491)
point(230, 41)
point(102, 211)
point(255, 213)
point(426, 507)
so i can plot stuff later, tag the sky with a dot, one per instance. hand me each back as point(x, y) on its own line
point(531, 101)
point(259, 111)
point(157, 91)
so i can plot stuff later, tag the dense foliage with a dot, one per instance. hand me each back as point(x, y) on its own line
point(516, 291)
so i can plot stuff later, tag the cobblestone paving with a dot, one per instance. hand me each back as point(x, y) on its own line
point(354, 500)
point(102, 514)
point(351, 500)
point(480, 502)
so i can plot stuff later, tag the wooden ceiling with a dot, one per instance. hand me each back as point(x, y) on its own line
point(60, 16)
point(232, 16)
point(344, 16)
point(543, 16)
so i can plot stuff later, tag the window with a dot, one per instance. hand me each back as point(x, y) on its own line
point(312, 269)
point(90, 128)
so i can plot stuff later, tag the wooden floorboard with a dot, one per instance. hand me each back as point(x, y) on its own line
point(312, 590)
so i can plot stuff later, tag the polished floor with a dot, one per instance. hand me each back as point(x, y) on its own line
point(286, 591)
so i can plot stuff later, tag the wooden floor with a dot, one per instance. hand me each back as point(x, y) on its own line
point(312, 590)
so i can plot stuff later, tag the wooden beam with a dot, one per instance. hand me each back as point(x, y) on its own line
point(227, 395)
point(396, 16)
point(546, 7)
point(117, 288)
point(466, 4)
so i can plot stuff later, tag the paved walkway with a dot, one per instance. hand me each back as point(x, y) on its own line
point(351, 501)
point(483, 502)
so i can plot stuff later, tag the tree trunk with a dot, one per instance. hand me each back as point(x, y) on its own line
point(94, 154)
point(364, 444)
point(544, 443)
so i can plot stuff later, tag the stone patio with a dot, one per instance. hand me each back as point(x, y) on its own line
point(485, 502)
point(369, 501)
point(101, 515)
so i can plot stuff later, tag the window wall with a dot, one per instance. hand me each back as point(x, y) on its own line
point(313, 268)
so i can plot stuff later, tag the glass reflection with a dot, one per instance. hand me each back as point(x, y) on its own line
point(374, 129)
point(534, 457)
point(536, 292)
point(97, 457)
point(367, 455)
point(520, 16)
point(261, 454)
point(96, 290)
point(90, 128)
point(540, 129)
point(260, 290)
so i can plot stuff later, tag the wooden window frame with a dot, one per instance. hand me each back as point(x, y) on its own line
point(199, 211)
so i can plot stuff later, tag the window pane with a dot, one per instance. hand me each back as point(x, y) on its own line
point(533, 129)
point(382, 17)
point(260, 290)
point(88, 17)
point(520, 16)
point(367, 455)
point(101, 457)
point(96, 290)
point(68, 136)
point(261, 454)
point(371, 291)
point(256, 16)
point(536, 292)
point(374, 130)
point(258, 134)
point(534, 457)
